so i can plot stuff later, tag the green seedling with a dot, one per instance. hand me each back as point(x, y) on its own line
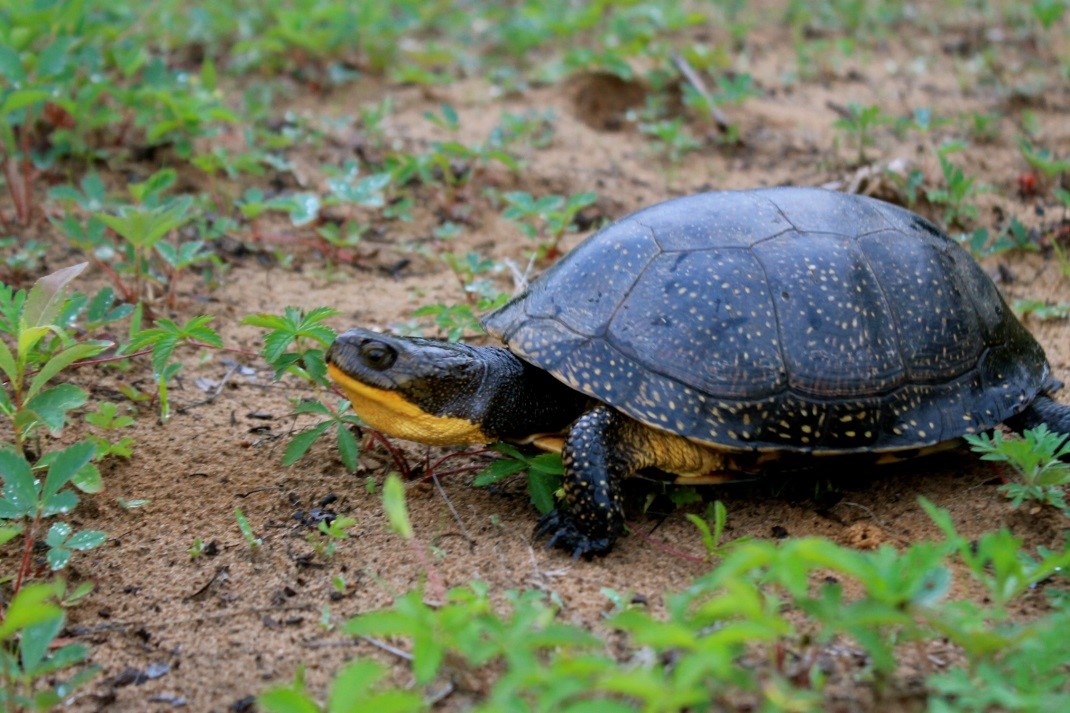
point(482, 295)
point(141, 255)
point(163, 339)
point(61, 540)
point(334, 418)
point(983, 127)
point(958, 191)
point(1036, 458)
point(305, 333)
point(673, 138)
point(858, 124)
point(21, 258)
point(197, 549)
point(251, 540)
point(397, 512)
point(711, 539)
point(763, 596)
point(546, 219)
point(532, 128)
point(1013, 236)
point(1043, 160)
point(455, 321)
point(1042, 310)
point(1047, 12)
point(446, 118)
point(296, 345)
point(106, 418)
point(334, 531)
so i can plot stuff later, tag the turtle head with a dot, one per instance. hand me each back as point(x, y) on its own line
point(418, 389)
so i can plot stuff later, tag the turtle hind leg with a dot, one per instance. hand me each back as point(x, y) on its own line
point(597, 458)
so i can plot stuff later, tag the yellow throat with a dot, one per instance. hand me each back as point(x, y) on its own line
point(392, 414)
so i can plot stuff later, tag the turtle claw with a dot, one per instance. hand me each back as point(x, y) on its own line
point(564, 535)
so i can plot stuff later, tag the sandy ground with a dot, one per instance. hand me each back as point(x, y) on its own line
point(218, 629)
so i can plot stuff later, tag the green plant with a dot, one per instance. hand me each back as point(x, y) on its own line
point(197, 549)
point(1041, 310)
point(546, 219)
point(357, 686)
point(544, 472)
point(1042, 159)
point(1012, 236)
point(711, 539)
point(858, 123)
point(958, 190)
point(29, 500)
point(763, 597)
point(296, 344)
point(28, 318)
point(141, 256)
point(1036, 457)
point(334, 530)
point(163, 339)
point(481, 294)
point(32, 655)
point(1047, 12)
point(251, 540)
point(672, 136)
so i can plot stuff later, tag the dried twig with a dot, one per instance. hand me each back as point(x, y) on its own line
point(693, 78)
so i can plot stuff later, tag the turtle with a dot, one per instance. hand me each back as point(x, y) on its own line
point(720, 333)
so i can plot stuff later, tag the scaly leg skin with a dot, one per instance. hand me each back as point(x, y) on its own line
point(603, 448)
point(596, 458)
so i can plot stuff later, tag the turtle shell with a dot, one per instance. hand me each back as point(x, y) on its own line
point(783, 318)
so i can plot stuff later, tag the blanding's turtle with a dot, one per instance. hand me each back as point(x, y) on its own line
point(716, 333)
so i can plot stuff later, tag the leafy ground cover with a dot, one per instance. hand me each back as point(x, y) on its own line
point(195, 197)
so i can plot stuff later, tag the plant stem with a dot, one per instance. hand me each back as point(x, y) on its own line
point(27, 552)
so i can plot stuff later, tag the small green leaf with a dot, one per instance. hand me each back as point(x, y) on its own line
point(88, 479)
point(352, 685)
point(87, 540)
point(348, 447)
point(22, 98)
point(541, 488)
point(397, 512)
point(287, 700)
point(299, 444)
point(52, 405)
point(46, 296)
point(61, 361)
point(36, 641)
point(68, 462)
point(61, 503)
point(312, 406)
point(11, 65)
point(19, 489)
point(8, 533)
point(30, 606)
point(7, 363)
point(57, 534)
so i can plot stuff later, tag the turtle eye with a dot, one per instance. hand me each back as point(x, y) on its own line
point(377, 355)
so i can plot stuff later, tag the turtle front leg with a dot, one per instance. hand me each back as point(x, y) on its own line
point(597, 456)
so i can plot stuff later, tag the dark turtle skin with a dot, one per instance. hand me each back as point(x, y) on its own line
point(710, 330)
